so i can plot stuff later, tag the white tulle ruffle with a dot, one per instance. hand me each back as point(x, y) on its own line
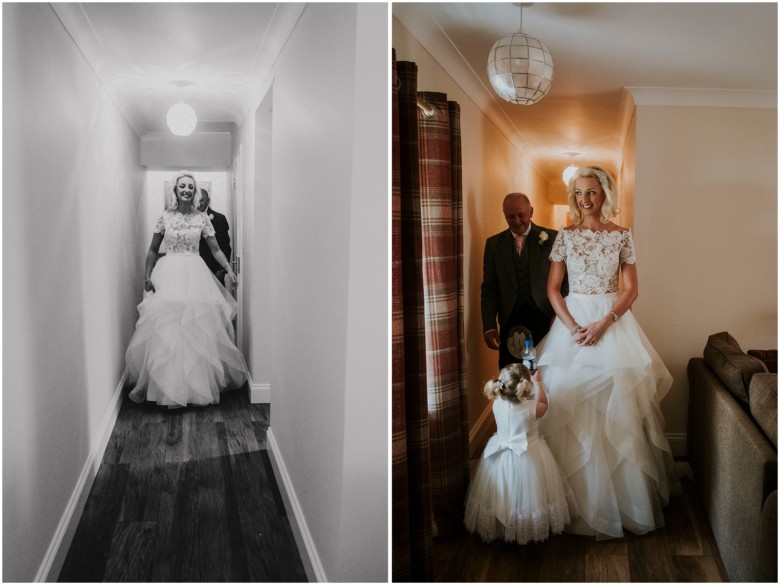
point(182, 351)
point(519, 498)
point(604, 424)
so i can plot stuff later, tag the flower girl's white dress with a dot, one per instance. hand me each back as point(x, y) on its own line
point(517, 493)
point(182, 351)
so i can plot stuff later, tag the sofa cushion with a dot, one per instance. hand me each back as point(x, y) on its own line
point(768, 356)
point(733, 366)
point(763, 404)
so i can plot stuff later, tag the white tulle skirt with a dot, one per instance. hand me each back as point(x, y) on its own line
point(182, 351)
point(604, 425)
point(519, 498)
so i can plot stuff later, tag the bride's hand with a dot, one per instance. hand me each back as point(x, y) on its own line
point(579, 337)
point(591, 334)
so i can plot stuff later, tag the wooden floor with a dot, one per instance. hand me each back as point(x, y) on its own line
point(186, 495)
point(683, 551)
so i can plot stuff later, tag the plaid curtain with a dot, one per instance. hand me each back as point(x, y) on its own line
point(430, 421)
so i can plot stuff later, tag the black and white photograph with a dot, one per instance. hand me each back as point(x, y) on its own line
point(195, 244)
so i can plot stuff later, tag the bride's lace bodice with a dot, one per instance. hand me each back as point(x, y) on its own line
point(182, 233)
point(593, 259)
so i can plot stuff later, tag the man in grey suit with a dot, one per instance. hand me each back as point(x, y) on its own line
point(514, 282)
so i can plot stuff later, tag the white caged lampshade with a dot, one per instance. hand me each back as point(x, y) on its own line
point(520, 68)
point(182, 119)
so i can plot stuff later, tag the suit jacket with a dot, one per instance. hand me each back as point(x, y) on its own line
point(223, 239)
point(499, 277)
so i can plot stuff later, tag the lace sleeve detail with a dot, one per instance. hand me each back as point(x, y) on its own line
point(208, 229)
point(627, 253)
point(558, 252)
point(159, 228)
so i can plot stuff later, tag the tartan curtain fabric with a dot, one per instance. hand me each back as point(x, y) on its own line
point(440, 206)
point(430, 421)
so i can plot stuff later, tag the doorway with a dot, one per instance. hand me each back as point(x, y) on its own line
point(255, 226)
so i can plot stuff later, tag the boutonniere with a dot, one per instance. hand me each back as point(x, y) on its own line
point(211, 217)
point(543, 237)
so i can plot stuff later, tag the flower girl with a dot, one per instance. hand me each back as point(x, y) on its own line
point(518, 493)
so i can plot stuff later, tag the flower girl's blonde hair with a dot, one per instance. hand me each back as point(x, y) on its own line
point(513, 383)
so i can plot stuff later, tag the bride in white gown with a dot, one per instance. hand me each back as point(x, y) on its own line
point(605, 380)
point(182, 351)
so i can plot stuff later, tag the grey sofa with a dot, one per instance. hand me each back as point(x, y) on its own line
point(732, 451)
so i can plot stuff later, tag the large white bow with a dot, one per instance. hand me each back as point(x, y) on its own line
point(517, 443)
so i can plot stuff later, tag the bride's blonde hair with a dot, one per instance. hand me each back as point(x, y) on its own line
point(513, 383)
point(172, 199)
point(609, 209)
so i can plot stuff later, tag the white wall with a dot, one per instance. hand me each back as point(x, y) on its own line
point(492, 167)
point(326, 232)
point(73, 219)
point(705, 226)
point(202, 149)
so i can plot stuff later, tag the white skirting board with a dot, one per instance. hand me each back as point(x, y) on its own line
point(303, 539)
point(679, 443)
point(259, 393)
point(60, 544)
point(478, 434)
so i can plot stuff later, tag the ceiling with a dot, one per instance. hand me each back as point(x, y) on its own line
point(671, 53)
point(223, 52)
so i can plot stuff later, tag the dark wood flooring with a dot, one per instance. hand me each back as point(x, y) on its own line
point(186, 495)
point(683, 551)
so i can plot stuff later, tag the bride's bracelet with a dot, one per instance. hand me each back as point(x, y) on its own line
point(576, 329)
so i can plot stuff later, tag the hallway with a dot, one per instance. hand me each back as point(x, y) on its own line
point(87, 88)
point(186, 495)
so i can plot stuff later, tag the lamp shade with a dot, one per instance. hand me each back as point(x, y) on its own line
point(182, 119)
point(568, 173)
point(520, 68)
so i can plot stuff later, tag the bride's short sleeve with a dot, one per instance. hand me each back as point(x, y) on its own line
point(159, 228)
point(208, 229)
point(627, 253)
point(558, 252)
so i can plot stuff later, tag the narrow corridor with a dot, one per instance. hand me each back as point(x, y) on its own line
point(186, 495)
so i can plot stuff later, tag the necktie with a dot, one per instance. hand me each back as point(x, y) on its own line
point(519, 242)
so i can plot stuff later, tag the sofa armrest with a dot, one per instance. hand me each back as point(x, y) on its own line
point(767, 559)
point(734, 468)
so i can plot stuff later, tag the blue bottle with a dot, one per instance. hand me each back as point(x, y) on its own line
point(528, 355)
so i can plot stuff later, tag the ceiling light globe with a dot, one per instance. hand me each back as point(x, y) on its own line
point(182, 119)
point(520, 69)
point(568, 173)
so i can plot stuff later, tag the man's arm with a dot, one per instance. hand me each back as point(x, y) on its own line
point(222, 235)
point(490, 296)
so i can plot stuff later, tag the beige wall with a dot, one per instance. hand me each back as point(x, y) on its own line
point(73, 254)
point(492, 167)
point(626, 179)
point(706, 233)
point(326, 211)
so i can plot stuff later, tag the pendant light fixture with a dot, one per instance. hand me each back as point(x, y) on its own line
point(570, 170)
point(181, 118)
point(520, 67)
